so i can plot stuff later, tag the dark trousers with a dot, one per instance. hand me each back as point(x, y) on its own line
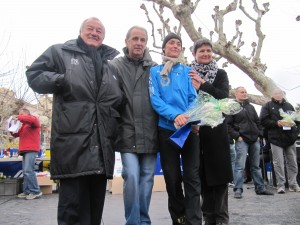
point(215, 203)
point(181, 204)
point(81, 200)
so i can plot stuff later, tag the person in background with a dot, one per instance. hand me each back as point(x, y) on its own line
point(86, 105)
point(29, 145)
point(282, 139)
point(137, 138)
point(215, 157)
point(245, 128)
point(171, 92)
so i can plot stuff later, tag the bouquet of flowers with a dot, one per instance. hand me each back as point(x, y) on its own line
point(205, 110)
point(289, 117)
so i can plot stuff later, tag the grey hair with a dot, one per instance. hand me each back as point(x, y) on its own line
point(91, 18)
point(199, 43)
point(136, 27)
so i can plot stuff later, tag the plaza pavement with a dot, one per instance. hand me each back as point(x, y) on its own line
point(252, 209)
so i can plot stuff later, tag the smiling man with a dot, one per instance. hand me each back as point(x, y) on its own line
point(87, 98)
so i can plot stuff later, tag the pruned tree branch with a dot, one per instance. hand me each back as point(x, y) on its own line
point(229, 50)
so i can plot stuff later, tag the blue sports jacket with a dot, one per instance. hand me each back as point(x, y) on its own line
point(171, 96)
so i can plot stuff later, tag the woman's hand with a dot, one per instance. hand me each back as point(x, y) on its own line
point(196, 79)
point(181, 120)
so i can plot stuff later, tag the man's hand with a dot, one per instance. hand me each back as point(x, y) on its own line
point(279, 123)
point(240, 138)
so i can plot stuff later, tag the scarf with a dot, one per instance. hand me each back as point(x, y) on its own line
point(168, 64)
point(95, 54)
point(208, 71)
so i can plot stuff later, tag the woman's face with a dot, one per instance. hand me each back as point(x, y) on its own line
point(203, 54)
point(173, 48)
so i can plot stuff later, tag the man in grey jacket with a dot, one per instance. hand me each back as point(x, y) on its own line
point(86, 104)
point(137, 140)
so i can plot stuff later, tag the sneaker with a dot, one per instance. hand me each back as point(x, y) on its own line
point(281, 190)
point(294, 188)
point(22, 195)
point(264, 192)
point(34, 196)
point(237, 195)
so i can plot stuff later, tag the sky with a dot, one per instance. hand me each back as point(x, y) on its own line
point(30, 27)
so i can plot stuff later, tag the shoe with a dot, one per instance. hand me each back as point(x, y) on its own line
point(181, 220)
point(265, 192)
point(238, 195)
point(281, 190)
point(22, 195)
point(295, 188)
point(33, 196)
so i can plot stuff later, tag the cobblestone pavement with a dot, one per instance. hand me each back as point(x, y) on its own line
point(252, 209)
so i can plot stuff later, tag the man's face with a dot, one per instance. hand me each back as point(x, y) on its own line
point(241, 94)
point(136, 43)
point(92, 33)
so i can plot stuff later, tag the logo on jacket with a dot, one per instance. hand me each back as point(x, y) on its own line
point(74, 61)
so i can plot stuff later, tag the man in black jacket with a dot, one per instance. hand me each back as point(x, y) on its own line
point(137, 138)
point(87, 98)
point(245, 128)
point(282, 138)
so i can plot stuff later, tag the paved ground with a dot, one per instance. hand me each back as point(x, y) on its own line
point(252, 209)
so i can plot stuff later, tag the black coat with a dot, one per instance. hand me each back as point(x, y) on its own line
point(245, 124)
point(84, 119)
point(269, 115)
point(214, 142)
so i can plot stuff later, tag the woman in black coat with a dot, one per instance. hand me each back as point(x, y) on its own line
point(216, 170)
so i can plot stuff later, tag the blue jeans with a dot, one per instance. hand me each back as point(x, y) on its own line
point(242, 148)
point(138, 174)
point(30, 185)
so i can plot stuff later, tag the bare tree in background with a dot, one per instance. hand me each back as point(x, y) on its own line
point(225, 47)
point(14, 90)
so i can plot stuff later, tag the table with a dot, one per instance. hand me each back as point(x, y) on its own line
point(17, 159)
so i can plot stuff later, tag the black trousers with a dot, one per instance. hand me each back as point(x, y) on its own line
point(181, 204)
point(81, 200)
point(215, 203)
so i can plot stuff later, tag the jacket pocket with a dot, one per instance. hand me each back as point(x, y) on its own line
point(75, 117)
point(112, 123)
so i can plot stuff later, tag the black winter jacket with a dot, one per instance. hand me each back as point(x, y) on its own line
point(84, 119)
point(269, 115)
point(138, 123)
point(245, 124)
point(214, 142)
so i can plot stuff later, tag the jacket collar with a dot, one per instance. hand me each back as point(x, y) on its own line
point(146, 60)
point(108, 53)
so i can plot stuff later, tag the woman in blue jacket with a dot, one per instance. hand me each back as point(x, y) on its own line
point(171, 92)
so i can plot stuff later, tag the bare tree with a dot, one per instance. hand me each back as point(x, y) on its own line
point(227, 48)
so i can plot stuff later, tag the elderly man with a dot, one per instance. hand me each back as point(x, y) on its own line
point(282, 138)
point(87, 98)
point(245, 128)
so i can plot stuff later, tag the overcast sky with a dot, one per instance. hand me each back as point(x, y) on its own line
point(33, 25)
